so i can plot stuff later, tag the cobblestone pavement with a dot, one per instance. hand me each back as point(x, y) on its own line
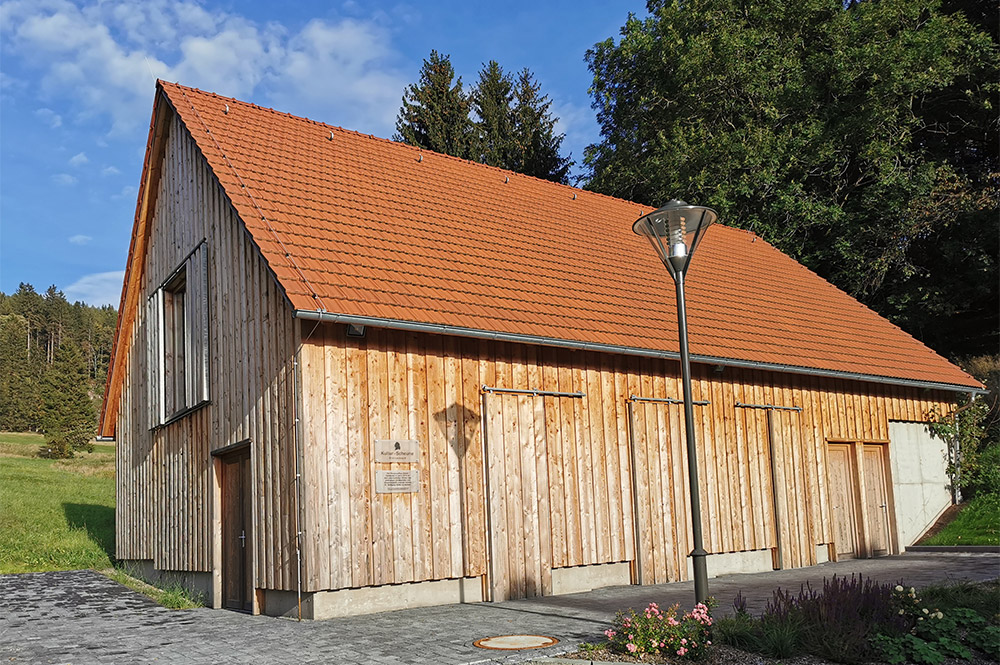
point(81, 617)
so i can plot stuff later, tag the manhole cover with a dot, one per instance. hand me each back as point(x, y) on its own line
point(511, 642)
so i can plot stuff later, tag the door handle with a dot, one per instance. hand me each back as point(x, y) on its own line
point(243, 538)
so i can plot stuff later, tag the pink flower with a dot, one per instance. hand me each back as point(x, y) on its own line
point(681, 651)
point(610, 633)
point(631, 647)
point(684, 640)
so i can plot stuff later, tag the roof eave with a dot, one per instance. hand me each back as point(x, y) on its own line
point(413, 326)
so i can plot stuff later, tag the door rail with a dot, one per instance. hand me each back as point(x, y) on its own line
point(534, 393)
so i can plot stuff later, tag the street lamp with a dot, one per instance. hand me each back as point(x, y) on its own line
point(674, 231)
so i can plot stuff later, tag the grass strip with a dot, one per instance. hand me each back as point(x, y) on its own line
point(172, 597)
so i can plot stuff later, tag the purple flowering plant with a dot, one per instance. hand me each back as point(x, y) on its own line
point(662, 632)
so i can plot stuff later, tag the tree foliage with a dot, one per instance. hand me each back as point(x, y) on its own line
point(502, 122)
point(536, 145)
point(68, 416)
point(53, 363)
point(491, 105)
point(435, 111)
point(860, 139)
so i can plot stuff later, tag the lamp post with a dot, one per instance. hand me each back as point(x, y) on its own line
point(675, 231)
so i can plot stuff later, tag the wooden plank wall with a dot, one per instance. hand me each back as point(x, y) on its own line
point(165, 476)
point(424, 387)
point(575, 453)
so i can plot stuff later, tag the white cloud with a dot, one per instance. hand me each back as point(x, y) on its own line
point(79, 159)
point(101, 57)
point(338, 72)
point(80, 239)
point(109, 170)
point(128, 191)
point(64, 179)
point(49, 117)
point(103, 288)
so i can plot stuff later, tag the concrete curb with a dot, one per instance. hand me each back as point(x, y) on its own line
point(556, 660)
point(956, 549)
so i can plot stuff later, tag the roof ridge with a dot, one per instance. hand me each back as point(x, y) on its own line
point(642, 207)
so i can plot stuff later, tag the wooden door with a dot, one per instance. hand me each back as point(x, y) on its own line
point(519, 513)
point(876, 500)
point(843, 490)
point(662, 516)
point(237, 532)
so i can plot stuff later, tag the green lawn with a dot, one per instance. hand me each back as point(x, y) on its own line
point(55, 514)
point(978, 523)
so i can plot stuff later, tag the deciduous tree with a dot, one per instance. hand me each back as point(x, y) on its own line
point(858, 138)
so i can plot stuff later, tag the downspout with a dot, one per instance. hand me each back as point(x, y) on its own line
point(297, 438)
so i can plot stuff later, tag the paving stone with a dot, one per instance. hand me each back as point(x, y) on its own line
point(83, 618)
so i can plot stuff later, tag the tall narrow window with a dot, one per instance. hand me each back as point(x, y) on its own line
point(177, 320)
point(175, 338)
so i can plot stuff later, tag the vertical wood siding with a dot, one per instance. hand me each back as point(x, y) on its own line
point(165, 475)
point(560, 468)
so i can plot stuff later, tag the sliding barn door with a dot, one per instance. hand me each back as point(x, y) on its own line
point(519, 509)
point(663, 538)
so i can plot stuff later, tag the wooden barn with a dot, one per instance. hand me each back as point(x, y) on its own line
point(350, 375)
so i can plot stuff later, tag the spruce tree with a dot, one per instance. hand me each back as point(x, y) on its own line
point(19, 372)
point(491, 102)
point(68, 419)
point(435, 111)
point(537, 144)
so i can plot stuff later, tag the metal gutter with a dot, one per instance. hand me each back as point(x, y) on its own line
point(434, 328)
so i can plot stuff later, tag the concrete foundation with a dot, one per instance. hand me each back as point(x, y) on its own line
point(578, 579)
point(198, 584)
point(369, 600)
point(729, 563)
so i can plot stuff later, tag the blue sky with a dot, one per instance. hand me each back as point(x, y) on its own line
point(76, 91)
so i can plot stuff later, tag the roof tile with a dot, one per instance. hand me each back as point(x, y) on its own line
point(373, 231)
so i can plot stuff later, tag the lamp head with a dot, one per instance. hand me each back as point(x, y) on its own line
point(675, 231)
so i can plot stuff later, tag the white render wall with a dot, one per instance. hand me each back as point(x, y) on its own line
point(920, 482)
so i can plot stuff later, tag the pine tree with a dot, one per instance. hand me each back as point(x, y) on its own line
point(491, 102)
point(435, 111)
point(536, 143)
point(68, 419)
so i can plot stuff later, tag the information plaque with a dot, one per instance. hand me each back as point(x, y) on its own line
point(405, 451)
point(391, 482)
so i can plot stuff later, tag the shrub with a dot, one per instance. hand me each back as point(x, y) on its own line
point(834, 623)
point(661, 633)
point(982, 597)
point(929, 635)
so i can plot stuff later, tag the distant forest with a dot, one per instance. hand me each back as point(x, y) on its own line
point(53, 363)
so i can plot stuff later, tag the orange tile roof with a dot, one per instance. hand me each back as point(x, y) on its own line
point(362, 226)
